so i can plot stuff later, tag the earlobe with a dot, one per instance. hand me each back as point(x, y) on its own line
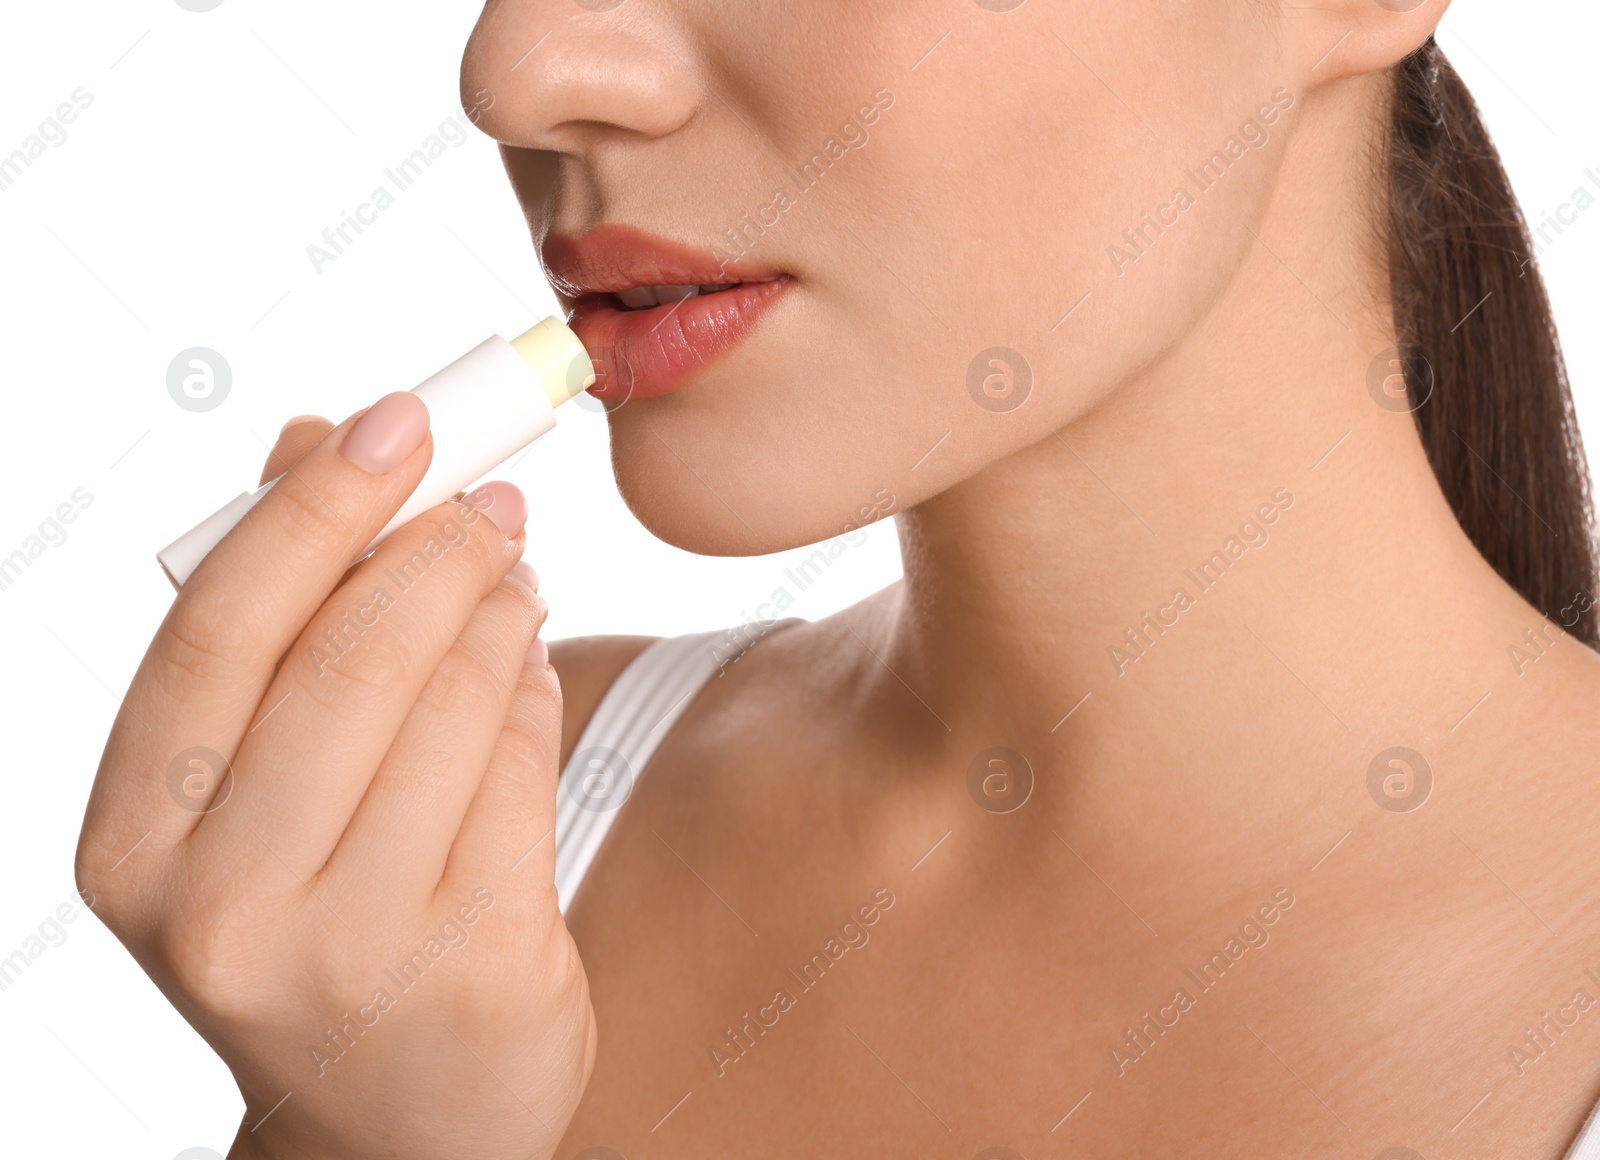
point(1347, 38)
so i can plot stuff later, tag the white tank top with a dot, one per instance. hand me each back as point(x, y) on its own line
point(636, 713)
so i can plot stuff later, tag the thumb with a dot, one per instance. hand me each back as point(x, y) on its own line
point(299, 436)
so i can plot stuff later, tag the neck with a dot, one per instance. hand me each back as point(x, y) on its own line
point(1130, 552)
point(1238, 559)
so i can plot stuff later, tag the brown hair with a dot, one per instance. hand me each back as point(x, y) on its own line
point(1478, 345)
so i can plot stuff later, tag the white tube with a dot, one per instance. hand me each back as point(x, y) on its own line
point(482, 409)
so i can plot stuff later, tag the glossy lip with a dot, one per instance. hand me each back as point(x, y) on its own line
point(645, 353)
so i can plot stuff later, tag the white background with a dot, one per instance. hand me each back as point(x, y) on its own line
point(177, 213)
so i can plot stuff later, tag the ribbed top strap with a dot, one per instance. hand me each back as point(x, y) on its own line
point(1587, 1145)
point(633, 717)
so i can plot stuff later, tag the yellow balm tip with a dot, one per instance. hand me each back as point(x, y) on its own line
point(557, 358)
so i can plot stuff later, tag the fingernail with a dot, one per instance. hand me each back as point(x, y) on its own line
point(523, 573)
point(503, 503)
point(538, 653)
point(391, 430)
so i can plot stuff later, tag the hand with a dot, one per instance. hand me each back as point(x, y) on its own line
point(323, 819)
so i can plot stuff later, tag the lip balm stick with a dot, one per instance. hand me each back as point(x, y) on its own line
point(482, 409)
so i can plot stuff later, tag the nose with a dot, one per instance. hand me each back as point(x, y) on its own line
point(565, 75)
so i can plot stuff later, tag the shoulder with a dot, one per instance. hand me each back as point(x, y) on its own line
point(586, 667)
point(807, 663)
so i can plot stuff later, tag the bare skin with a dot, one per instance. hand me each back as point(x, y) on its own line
point(1018, 952)
point(1223, 766)
point(385, 791)
point(1221, 777)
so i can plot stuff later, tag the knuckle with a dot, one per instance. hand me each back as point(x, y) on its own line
point(201, 641)
point(539, 959)
point(532, 729)
point(346, 675)
point(463, 524)
point(559, 975)
point(99, 891)
point(518, 611)
point(460, 687)
point(213, 958)
point(317, 526)
point(539, 611)
point(541, 692)
point(95, 891)
point(442, 536)
point(564, 968)
point(521, 743)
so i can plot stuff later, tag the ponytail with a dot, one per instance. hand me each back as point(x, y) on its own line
point(1478, 346)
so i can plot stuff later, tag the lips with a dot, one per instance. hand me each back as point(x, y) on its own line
point(653, 313)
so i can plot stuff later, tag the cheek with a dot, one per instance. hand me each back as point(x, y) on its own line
point(1102, 198)
point(1027, 174)
point(967, 251)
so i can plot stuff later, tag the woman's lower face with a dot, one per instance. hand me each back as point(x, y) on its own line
point(990, 217)
point(1082, 286)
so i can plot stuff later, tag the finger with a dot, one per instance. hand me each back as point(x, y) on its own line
point(345, 689)
point(411, 813)
point(508, 834)
point(299, 436)
point(200, 684)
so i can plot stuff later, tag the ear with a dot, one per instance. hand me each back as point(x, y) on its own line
point(1346, 38)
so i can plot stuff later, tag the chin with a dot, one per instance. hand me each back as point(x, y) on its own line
point(675, 495)
point(713, 486)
